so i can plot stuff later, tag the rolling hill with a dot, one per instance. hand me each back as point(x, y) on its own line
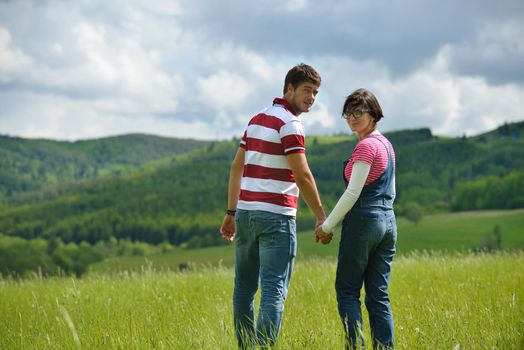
point(155, 189)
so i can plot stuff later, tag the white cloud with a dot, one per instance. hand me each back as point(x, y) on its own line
point(295, 5)
point(126, 65)
point(318, 115)
point(448, 104)
point(431, 97)
point(496, 51)
point(119, 76)
point(12, 60)
point(162, 7)
point(125, 70)
point(224, 90)
point(63, 118)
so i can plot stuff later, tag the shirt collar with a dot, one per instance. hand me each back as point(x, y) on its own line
point(285, 104)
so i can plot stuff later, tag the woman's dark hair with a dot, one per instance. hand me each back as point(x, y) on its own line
point(363, 99)
point(299, 74)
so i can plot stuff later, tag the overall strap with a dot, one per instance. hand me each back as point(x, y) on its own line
point(386, 146)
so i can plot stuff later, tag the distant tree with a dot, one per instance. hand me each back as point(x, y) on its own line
point(20, 257)
point(491, 192)
point(44, 192)
point(413, 212)
point(492, 241)
point(498, 236)
point(504, 130)
point(53, 244)
point(194, 242)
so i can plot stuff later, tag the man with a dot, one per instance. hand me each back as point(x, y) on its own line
point(269, 169)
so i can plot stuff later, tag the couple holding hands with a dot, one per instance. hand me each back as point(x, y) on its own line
point(267, 173)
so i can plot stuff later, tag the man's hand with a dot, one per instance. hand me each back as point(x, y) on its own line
point(323, 237)
point(319, 223)
point(227, 230)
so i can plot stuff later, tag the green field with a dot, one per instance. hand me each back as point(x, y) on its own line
point(440, 301)
point(444, 295)
point(455, 232)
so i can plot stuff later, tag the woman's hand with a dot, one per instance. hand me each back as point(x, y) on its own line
point(323, 237)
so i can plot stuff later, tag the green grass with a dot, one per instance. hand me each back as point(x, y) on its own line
point(450, 232)
point(222, 255)
point(439, 301)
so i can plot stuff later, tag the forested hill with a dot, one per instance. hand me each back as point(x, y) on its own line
point(184, 199)
point(29, 165)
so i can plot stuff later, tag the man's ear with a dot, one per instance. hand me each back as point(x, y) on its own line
point(289, 88)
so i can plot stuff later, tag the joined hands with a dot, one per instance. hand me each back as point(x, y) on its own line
point(320, 235)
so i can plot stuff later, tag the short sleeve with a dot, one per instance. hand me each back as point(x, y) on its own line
point(292, 137)
point(243, 141)
point(364, 152)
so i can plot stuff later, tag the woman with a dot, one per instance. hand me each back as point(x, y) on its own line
point(369, 231)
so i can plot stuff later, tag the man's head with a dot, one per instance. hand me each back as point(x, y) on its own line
point(301, 87)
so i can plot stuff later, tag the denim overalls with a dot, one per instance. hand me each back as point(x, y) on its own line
point(366, 251)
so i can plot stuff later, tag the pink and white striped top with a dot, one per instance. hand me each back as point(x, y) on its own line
point(370, 150)
point(267, 182)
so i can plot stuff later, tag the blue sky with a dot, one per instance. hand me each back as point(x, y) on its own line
point(200, 69)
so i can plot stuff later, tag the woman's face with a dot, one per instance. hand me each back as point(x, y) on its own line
point(359, 120)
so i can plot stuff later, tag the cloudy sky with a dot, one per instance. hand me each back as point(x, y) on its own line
point(192, 68)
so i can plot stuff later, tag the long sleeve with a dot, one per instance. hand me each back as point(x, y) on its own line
point(358, 178)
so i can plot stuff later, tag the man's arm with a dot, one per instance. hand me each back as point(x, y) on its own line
point(227, 230)
point(306, 183)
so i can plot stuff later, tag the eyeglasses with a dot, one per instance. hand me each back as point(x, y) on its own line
point(356, 113)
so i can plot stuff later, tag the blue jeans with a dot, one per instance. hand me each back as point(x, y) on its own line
point(265, 249)
point(366, 251)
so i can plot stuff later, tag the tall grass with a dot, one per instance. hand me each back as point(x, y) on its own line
point(459, 301)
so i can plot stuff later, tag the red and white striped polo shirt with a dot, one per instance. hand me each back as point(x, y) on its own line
point(267, 182)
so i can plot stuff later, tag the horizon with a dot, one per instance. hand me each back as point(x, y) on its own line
point(349, 134)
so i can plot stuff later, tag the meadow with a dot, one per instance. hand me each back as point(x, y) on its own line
point(440, 301)
point(447, 233)
point(444, 293)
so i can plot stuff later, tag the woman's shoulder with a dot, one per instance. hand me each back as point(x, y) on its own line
point(367, 145)
point(373, 143)
point(371, 140)
point(375, 140)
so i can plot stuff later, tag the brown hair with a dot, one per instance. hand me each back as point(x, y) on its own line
point(363, 99)
point(299, 74)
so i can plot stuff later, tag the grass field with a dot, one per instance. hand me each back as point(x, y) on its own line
point(455, 232)
point(443, 295)
point(440, 301)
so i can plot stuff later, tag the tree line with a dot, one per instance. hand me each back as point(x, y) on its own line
point(182, 202)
